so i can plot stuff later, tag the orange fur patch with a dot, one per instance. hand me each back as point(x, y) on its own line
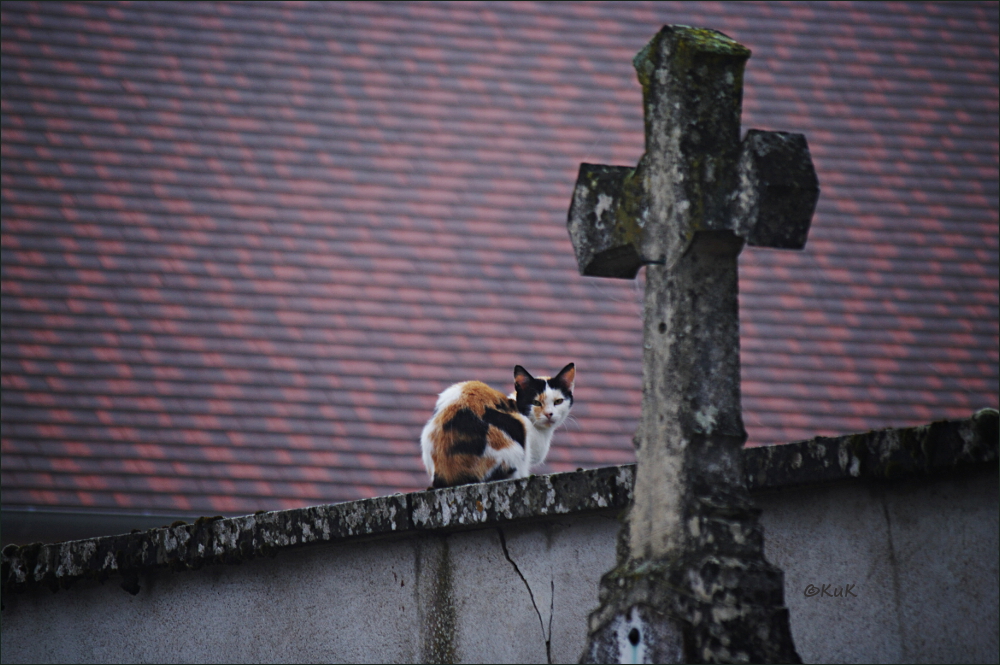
point(453, 468)
point(478, 396)
point(570, 378)
point(497, 439)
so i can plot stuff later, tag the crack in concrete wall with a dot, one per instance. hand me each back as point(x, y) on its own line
point(546, 637)
point(344, 601)
point(877, 455)
point(893, 566)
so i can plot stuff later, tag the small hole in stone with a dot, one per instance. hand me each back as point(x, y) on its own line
point(663, 327)
point(633, 636)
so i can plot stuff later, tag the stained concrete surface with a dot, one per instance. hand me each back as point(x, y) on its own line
point(354, 602)
point(922, 556)
point(491, 573)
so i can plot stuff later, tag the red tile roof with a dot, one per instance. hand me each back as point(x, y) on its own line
point(245, 246)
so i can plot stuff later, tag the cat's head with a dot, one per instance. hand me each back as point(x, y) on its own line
point(545, 401)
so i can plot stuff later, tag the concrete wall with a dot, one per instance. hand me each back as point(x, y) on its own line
point(921, 556)
point(888, 540)
point(414, 599)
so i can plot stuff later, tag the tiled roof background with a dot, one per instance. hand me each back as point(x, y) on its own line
point(245, 245)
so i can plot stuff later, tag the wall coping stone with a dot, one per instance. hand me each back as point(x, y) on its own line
point(884, 454)
point(877, 455)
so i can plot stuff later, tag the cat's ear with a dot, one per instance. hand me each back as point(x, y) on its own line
point(566, 377)
point(521, 378)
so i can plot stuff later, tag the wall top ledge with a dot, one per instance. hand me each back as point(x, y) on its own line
point(886, 454)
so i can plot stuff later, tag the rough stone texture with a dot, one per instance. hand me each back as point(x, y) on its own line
point(604, 246)
point(234, 540)
point(642, 635)
point(728, 528)
point(694, 549)
point(920, 548)
point(538, 496)
point(191, 546)
point(936, 447)
point(694, 176)
point(690, 164)
point(692, 92)
point(778, 190)
point(878, 454)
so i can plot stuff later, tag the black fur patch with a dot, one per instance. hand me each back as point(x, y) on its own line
point(506, 423)
point(505, 405)
point(563, 389)
point(470, 433)
point(464, 479)
point(556, 383)
point(499, 473)
point(525, 397)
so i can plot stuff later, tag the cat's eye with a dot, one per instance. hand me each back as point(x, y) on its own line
point(558, 402)
point(536, 403)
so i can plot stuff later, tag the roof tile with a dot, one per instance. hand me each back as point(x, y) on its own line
point(242, 251)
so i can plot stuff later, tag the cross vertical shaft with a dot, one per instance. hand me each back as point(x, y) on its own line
point(692, 582)
point(690, 313)
point(691, 430)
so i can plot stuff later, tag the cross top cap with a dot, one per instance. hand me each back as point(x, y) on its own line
point(684, 37)
point(695, 175)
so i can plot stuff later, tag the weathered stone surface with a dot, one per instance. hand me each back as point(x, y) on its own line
point(537, 496)
point(190, 546)
point(723, 592)
point(937, 447)
point(685, 213)
point(691, 429)
point(878, 454)
point(778, 190)
point(921, 551)
point(695, 550)
point(718, 603)
point(605, 246)
point(220, 540)
point(692, 95)
point(692, 92)
point(641, 634)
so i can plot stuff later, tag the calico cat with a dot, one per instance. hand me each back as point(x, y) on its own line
point(478, 434)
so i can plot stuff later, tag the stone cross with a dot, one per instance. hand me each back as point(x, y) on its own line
point(692, 584)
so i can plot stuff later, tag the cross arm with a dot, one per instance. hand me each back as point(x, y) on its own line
point(772, 206)
point(605, 220)
point(777, 192)
point(695, 178)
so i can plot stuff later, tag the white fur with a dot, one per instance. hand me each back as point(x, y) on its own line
point(425, 446)
point(449, 395)
point(542, 424)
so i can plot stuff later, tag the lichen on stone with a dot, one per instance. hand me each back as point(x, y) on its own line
point(880, 454)
point(937, 447)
